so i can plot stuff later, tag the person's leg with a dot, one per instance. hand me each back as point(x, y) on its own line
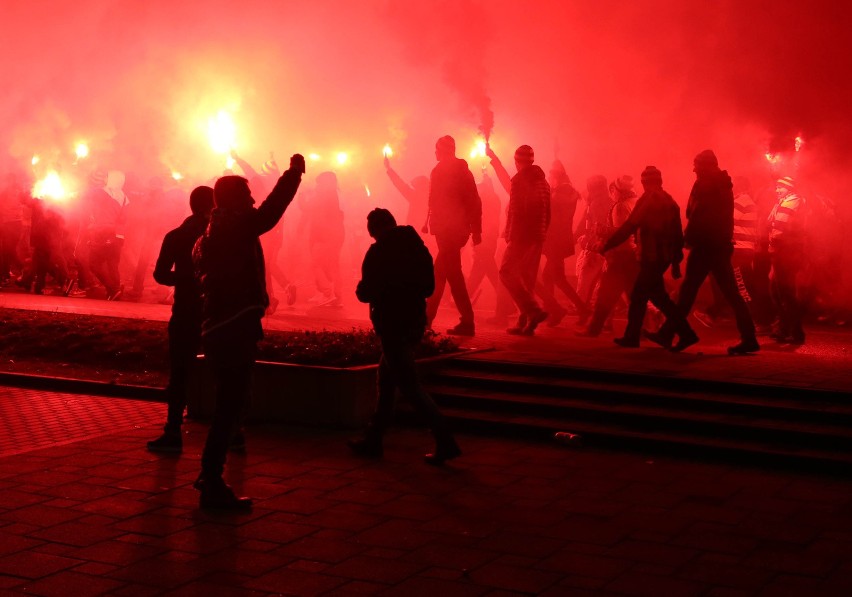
point(638, 304)
point(723, 274)
point(440, 267)
point(674, 313)
point(610, 290)
point(458, 288)
point(697, 269)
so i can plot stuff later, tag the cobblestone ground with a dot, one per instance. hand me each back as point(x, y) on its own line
point(101, 515)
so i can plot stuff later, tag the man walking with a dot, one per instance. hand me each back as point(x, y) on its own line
point(396, 278)
point(455, 214)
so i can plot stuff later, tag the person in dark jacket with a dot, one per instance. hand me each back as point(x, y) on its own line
point(174, 268)
point(527, 221)
point(455, 214)
point(396, 278)
point(229, 262)
point(656, 217)
point(709, 235)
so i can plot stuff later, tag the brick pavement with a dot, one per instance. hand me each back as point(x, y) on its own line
point(103, 516)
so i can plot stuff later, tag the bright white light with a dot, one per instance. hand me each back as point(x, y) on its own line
point(50, 187)
point(177, 175)
point(387, 151)
point(82, 150)
point(35, 160)
point(314, 156)
point(342, 157)
point(222, 132)
point(478, 150)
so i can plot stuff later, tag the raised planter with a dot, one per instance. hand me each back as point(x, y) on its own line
point(301, 394)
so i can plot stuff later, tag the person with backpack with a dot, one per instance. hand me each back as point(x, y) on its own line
point(397, 277)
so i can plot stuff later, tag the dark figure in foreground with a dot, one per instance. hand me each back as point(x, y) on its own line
point(709, 235)
point(455, 214)
point(657, 219)
point(174, 268)
point(229, 260)
point(396, 279)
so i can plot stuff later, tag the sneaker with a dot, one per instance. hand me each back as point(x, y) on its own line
point(168, 442)
point(78, 293)
point(218, 495)
point(533, 321)
point(586, 334)
point(704, 318)
point(462, 329)
point(744, 347)
point(685, 342)
point(116, 295)
point(366, 447)
point(446, 450)
point(626, 342)
point(290, 291)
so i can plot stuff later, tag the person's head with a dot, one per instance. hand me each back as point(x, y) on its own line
point(784, 186)
point(705, 163)
point(420, 184)
point(232, 192)
point(445, 148)
point(524, 157)
point(557, 172)
point(201, 201)
point(622, 188)
point(379, 221)
point(596, 187)
point(327, 182)
point(652, 178)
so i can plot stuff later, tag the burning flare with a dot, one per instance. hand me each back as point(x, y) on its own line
point(82, 150)
point(342, 157)
point(222, 132)
point(387, 151)
point(50, 187)
point(35, 160)
point(478, 150)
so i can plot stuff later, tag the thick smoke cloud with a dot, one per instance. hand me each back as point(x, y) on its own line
point(607, 86)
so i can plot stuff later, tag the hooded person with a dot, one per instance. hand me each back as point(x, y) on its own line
point(709, 236)
point(527, 222)
point(397, 277)
point(455, 215)
point(229, 263)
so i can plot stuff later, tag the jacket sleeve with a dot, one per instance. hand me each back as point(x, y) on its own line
point(367, 290)
point(502, 174)
point(271, 210)
point(404, 189)
point(473, 204)
point(677, 237)
point(163, 272)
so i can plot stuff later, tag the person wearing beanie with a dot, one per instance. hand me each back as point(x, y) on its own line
point(228, 260)
point(174, 268)
point(786, 251)
point(656, 219)
point(396, 278)
point(621, 269)
point(558, 246)
point(527, 221)
point(709, 235)
point(455, 215)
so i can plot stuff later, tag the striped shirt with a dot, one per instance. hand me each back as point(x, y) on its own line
point(745, 222)
point(785, 222)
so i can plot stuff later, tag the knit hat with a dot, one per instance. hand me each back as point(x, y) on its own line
point(446, 144)
point(652, 175)
point(707, 158)
point(525, 154)
point(786, 182)
point(624, 183)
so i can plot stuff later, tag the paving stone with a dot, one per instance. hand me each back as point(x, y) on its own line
point(68, 583)
point(34, 565)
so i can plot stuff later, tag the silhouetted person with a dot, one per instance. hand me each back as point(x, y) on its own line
point(558, 246)
point(455, 214)
point(787, 250)
point(11, 225)
point(590, 233)
point(47, 235)
point(396, 278)
point(622, 267)
point(416, 193)
point(174, 268)
point(326, 234)
point(106, 239)
point(229, 261)
point(527, 221)
point(656, 217)
point(709, 236)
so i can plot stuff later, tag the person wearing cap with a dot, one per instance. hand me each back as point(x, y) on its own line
point(397, 277)
point(787, 251)
point(709, 235)
point(656, 219)
point(228, 261)
point(174, 268)
point(527, 221)
point(455, 215)
point(621, 268)
point(558, 246)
